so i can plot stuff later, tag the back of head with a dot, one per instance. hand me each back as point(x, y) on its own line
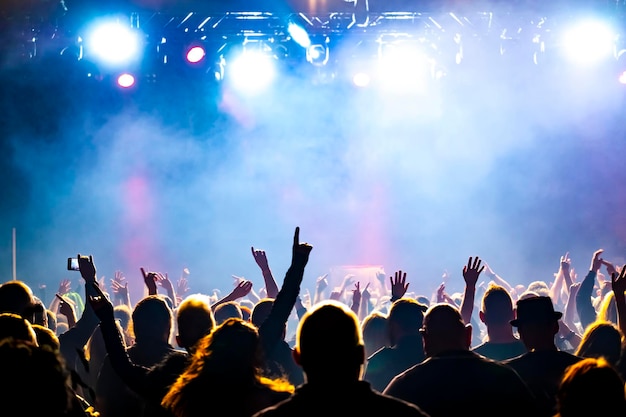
point(226, 311)
point(607, 310)
point(16, 327)
point(374, 329)
point(329, 342)
point(601, 339)
point(123, 314)
point(407, 313)
point(16, 297)
point(261, 310)
point(195, 319)
point(497, 305)
point(537, 322)
point(444, 330)
point(152, 320)
point(34, 379)
point(591, 387)
point(225, 362)
point(540, 287)
point(46, 337)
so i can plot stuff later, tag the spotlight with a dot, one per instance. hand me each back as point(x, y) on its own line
point(361, 79)
point(403, 67)
point(589, 42)
point(317, 54)
point(299, 35)
point(126, 80)
point(113, 43)
point(195, 54)
point(622, 77)
point(251, 72)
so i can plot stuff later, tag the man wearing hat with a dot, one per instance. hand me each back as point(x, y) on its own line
point(544, 364)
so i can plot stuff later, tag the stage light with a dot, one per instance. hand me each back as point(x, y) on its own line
point(589, 42)
point(361, 79)
point(195, 54)
point(317, 54)
point(251, 72)
point(403, 67)
point(125, 80)
point(622, 78)
point(113, 43)
point(299, 35)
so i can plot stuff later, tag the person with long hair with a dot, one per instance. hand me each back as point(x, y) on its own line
point(225, 376)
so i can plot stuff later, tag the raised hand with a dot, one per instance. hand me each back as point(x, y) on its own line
point(87, 269)
point(381, 276)
point(120, 291)
point(101, 305)
point(356, 294)
point(260, 258)
point(150, 279)
point(441, 293)
point(610, 268)
point(119, 286)
point(336, 294)
point(64, 287)
point(300, 251)
point(618, 282)
point(472, 271)
point(321, 283)
point(66, 306)
point(182, 286)
point(164, 281)
point(242, 289)
point(399, 285)
point(566, 263)
point(596, 261)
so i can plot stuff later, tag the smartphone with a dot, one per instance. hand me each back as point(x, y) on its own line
point(72, 264)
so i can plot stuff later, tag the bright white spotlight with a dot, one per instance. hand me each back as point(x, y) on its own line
point(299, 35)
point(251, 72)
point(403, 68)
point(126, 80)
point(589, 42)
point(113, 43)
point(195, 54)
point(622, 77)
point(361, 79)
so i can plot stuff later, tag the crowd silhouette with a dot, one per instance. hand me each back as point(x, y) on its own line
point(552, 348)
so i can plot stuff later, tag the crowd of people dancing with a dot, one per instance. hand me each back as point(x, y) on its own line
point(551, 348)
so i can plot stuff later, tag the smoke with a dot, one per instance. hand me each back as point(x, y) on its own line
point(516, 167)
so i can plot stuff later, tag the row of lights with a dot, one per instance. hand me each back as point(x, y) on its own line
point(399, 61)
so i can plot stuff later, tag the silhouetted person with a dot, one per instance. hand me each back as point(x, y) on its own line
point(225, 376)
point(543, 365)
point(456, 381)
point(152, 324)
point(406, 346)
point(591, 387)
point(195, 320)
point(497, 312)
point(375, 335)
point(329, 347)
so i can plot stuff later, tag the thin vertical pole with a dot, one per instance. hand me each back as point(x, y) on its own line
point(14, 256)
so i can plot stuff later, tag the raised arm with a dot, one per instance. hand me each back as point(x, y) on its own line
point(497, 278)
point(133, 375)
point(119, 288)
point(242, 289)
point(471, 272)
point(270, 283)
point(271, 330)
point(618, 283)
point(320, 285)
point(586, 312)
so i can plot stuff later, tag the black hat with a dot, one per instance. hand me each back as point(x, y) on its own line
point(535, 309)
